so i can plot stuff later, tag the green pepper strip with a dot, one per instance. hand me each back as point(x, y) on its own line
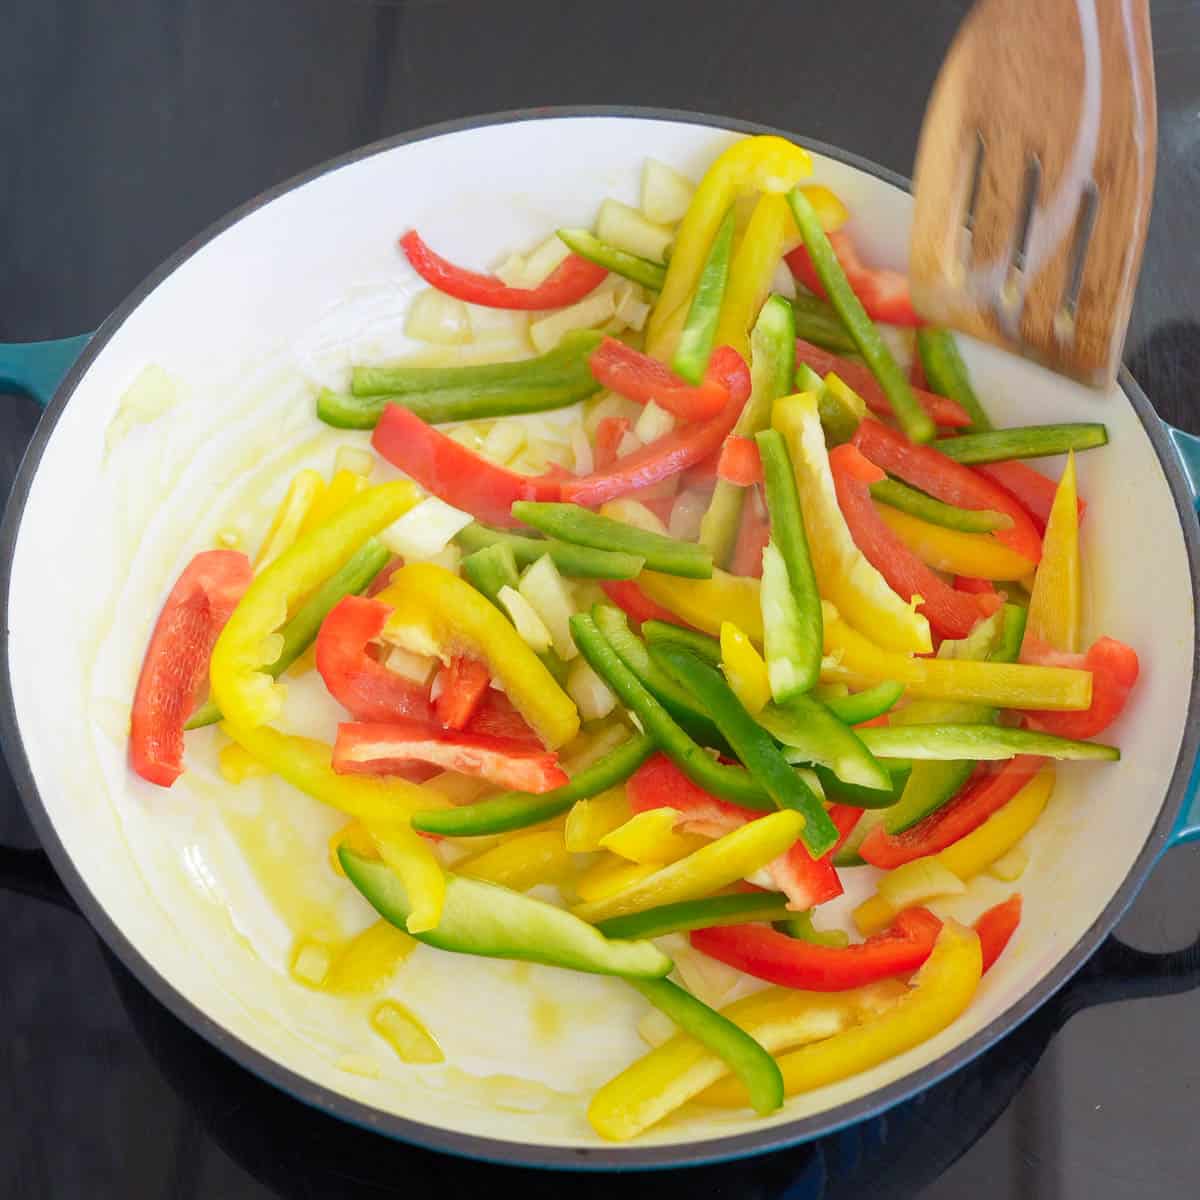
point(729, 783)
point(753, 745)
point(300, 632)
point(708, 648)
point(490, 569)
point(579, 527)
point(697, 914)
point(700, 328)
point(631, 650)
point(947, 374)
point(914, 420)
point(1023, 441)
point(836, 791)
point(813, 732)
point(772, 358)
point(818, 322)
point(800, 925)
point(518, 810)
point(967, 520)
point(611, 258)
point(793, 628)
point(582, 562)
point(865, 705)
point(945, 742)
point(733, 1045)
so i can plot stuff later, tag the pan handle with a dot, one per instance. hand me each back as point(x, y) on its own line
point(37, 368)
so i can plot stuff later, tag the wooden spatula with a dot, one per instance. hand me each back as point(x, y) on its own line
point(1034, 177)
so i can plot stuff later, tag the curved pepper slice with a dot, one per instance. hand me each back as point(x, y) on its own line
point(435, 612)
point(1029, 487)
point(464, 684)
point(632, 601)
point(1056, 602)
point(176, 662)
point(570, 281)
point(941, 992)
point(996, 927)
point(246, 694)
point(1114, 668)
point(359, 683)
point(765, 164)
point(643, 379)
point(973, 555)
point(706, 603)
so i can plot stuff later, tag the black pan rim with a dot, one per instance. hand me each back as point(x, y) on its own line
point(532, 1154)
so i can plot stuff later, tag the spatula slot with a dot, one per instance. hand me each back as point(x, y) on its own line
point(1085, 224)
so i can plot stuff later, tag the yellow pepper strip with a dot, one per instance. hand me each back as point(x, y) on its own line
point(412, 857)
point(751, 271)
point(764, 164)
point(650, 837)
point(247, 695)
point(412, 1042)
point(343, 487)
point(941, 992)
point(520, 862)
point(844, 575)
point(288, 522)
point(609, 876)
point(705, 603)
point(353, 834)
point(851, 658)
point(592, 819)
point(973, 854)
point(435, 612)
point(1056, 602)
point(305, 764)
point(367, 961)
point(777, 1018)
point(745, 670)
point(705, 871)
point(236, 766)
point(976, 555)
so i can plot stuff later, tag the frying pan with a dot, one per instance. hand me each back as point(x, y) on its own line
point(185, 414)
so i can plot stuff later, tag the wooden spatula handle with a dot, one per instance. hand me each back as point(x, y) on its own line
point(1034, 178)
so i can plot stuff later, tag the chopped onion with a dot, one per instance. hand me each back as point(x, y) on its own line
point(591, 310)
point(900, 341)
point(424, 531)
point(418, 668)
point(551, 598)
point(708, 979)
point(528, 624)
point(356, 459)
point(1011, 866)
point(543, 261)
point(593, 697)
point(918, 881)
point(688, 512)
point(504, 441)
point(435, 317)
point(631, 512)
point(629, 230)
point(511, 272)
point(609, 404)
point(581, 450)
point(628, 444)
point(665, 193)
point(654, 423)
point(655, 1027)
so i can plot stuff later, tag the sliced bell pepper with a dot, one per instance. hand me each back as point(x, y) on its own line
point(744, 669)
point(464, 684)
point(582, 562)
point(651, 838)
point(1027, 441)
point(818, 324)
point(358, 682)
point(638, 377)
point(845, 576)
point(882, 293)
point(865, 705)
point(413, 860)
point(966, 520)
point(950, 614)
point(754, 533)
point(497, 717)
point(932, 472)
point(811, 733)
point(520, 862)
point(1056, 603)
point(701, 644)
point(695, 344)
point(941, 992)
point(1114, 670)
point(767, 164)
point(620, 262)
point(342, 488)
point(452, 472)
point(946, 373)
point(996, 928)
point(632, 601)
point(435, 612)
point(672, 453)
point(241, 689)
point(570, 281)
point(177, 659)
point(977, 555)
point(1028, 487)
point(712, 911)
point(301, 496)
point(739, 463)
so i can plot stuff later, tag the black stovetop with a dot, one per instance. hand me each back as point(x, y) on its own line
point(125, 129)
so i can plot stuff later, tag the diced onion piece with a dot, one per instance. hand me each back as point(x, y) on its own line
point(630, 512)
point(543, 261)
point(450, 557)
point(418, 668)
point(654, 423)
point(498, 324)
point(511, 272)
point(632, 310)
point(504, 442)
point(608, 405)
point(708, 979)
point(550, 596)
point(435, 317)
point(591, 310)
point(467, 434)
point(629, 443)
point(524, 617)
point(655, 1027)
point(686, 515)
point(918, 881)
point(311, 962)
point(593, 697)
point(783, 282)
point(900, 341)
point(665, 193)
point(424, 531)
point(354, 459)
point(581, 450)
point(1011, 866)
point(628, 230)
point(237, 765)
point(406, 1035)
point(230, 538)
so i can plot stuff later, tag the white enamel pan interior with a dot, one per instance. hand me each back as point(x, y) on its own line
point(120, 490)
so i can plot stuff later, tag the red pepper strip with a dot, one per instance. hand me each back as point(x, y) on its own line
point(930, 470)
point(916, 374)
point(1029, 487)
point(806, 881)
point(570, 281)
point(384, 577)
point(790, 962)
point(464, 683)
point(739, 461)
point(454, 473)
point(176, 664)
point(643, 379)
point(496, 717)
point(359, 683)
point(673, 452)
point(945, 412)
point(996, 927)
point(845, 817)
point(883, 293)
point(985, 793)
point(632, 601)
point(384, 748)
point(1114, 667)
point(974, 587)
point(951, 614)
point(753, 535)
point(609, 433)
